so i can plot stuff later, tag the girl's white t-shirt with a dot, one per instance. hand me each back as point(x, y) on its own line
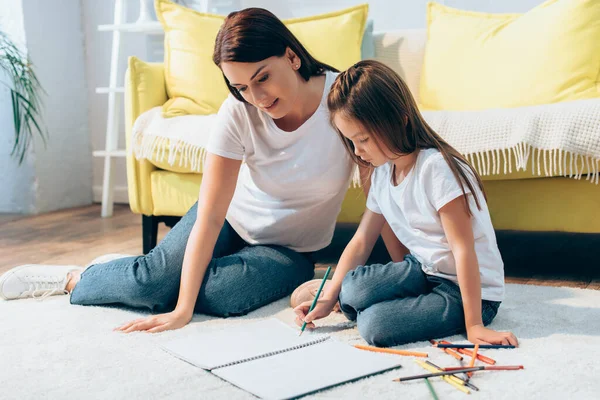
point(411, 210)
point(291, 185)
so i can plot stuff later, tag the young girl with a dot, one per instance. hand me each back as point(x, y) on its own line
point(452, 277)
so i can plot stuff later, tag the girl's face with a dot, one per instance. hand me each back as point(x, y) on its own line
point(271, 85)
point(366, 146)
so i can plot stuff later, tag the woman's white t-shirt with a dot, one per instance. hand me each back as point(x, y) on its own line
point(291, 184)
point(411, 210)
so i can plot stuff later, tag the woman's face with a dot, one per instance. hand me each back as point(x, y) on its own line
point(270, 85)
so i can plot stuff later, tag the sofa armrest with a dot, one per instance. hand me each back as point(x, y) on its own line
point(144, 89)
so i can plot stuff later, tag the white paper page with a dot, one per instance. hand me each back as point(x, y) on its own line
point(306, 370)
point(212, 349)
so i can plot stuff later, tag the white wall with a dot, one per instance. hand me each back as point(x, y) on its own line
point(17, 183)
point(387, 15)
point(59, 175)
point(55, 43)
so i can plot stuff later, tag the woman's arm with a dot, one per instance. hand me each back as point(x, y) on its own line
point(356, 253)
point(394, 247)
point(217, 188)
point(459, 232)
point(218, 185)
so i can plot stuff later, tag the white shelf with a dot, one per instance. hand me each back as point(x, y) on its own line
point(152, 28)
point(114, 153)
point(104, 90)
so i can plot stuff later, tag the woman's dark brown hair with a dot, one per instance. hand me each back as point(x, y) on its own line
point(255, 34)
point(373, 94)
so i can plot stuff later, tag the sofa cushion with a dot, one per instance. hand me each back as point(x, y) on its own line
point(477, 60)
point(403, 51)
point(196, 86)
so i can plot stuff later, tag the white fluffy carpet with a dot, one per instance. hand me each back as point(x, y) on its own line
point(53, 350)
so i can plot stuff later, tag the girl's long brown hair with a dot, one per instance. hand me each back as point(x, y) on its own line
point(374, 94)
point(255, 34)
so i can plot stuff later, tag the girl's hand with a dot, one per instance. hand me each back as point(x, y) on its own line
point(157, 323)
point(478, 334)
point(323, 308)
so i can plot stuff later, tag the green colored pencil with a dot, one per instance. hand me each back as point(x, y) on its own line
point(314, 303)
point(431, 389)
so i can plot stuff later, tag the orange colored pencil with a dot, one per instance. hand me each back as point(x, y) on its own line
point(391, 351)
point(467, 352)
point(473, 358)
point(450, 351)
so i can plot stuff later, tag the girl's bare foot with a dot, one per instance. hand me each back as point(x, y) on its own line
point(73, 279)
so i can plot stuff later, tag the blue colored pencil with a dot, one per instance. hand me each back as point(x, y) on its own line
point(471, 346)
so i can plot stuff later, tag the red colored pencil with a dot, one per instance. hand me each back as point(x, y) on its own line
point(490, 368)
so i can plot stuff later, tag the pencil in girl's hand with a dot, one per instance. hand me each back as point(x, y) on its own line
point(314, 303)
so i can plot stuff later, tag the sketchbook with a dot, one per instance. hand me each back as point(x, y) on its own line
point(269, 359)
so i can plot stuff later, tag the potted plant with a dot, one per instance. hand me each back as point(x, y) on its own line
point(25, 92)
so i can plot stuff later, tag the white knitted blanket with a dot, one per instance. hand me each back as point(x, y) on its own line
point(156, 138)
point(561, 139)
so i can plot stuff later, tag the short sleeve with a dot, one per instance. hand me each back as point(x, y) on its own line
point(440, 184)
point(226, 136)
point(372, 196)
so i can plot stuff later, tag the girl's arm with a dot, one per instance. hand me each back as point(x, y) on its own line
point(458, 229)
point(356, 253)
point(218, 185)
point(394, 247)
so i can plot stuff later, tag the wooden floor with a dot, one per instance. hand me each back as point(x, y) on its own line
point(76, 236)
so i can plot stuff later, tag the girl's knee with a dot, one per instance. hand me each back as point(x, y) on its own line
point(375, 330)
point(352, 294)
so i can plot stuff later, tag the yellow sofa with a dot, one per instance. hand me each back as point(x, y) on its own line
point(517, 201)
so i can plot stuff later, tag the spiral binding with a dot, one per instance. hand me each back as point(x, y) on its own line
point(273, 353)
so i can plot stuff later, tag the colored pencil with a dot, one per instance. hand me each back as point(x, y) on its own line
point(450, 351)
point(391, 351)
point(471, 346)
point(431, 389)
point(473, 358)
point(314, 303)
point(489, 368)
point(444, 377)
point(458, 379)
point(466, 352)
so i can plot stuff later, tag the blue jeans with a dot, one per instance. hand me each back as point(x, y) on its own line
point(398, 303)
point(239, 278)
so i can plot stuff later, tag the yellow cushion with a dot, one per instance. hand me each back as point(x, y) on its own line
point(196, 86)
point(478, 60)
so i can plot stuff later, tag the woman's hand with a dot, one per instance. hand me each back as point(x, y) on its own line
point(323, 308)
point(478, 334)
point(157, 323)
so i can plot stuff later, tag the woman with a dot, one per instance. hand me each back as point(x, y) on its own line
point(249, 239)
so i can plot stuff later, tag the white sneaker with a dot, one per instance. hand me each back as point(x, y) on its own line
point(35, 280)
